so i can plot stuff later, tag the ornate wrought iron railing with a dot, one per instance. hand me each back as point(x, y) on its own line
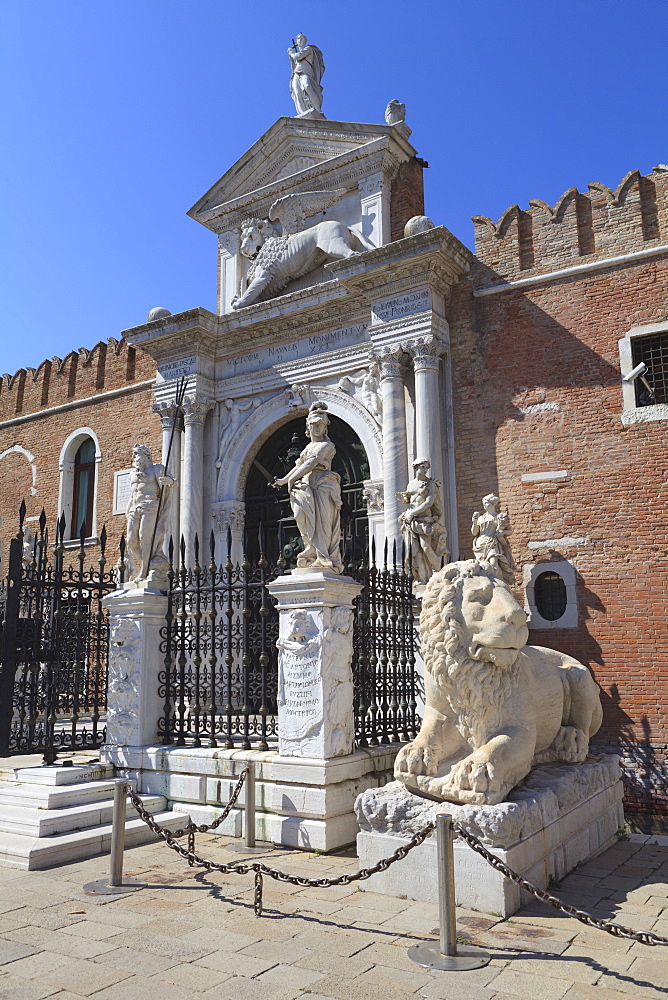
point(220, 678)
point(54, 644)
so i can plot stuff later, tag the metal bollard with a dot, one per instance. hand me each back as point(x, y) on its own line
point(118, 833)
point(447, 956)
point(249, 808)
point(249, 845)
point(115, 884)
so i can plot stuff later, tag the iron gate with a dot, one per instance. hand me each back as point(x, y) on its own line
point(54, 643)
point(220, 680)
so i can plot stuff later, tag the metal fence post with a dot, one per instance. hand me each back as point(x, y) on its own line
point(115, 884)
point(447, 955)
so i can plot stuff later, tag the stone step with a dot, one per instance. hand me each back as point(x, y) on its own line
point(17, 793)
point(31, 822)
point(33, 853)
point(57, 775)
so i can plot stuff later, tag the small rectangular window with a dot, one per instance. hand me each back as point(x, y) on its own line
point(653, 350)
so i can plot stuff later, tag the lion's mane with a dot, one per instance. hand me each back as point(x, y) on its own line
point(471, 682)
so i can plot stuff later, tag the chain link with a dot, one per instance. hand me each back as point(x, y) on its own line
point(617, 930)
point(260, 870)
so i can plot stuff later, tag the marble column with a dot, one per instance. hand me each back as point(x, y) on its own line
point(195, 410)
point(167, 413)
point(395, 445)
point(229, 270)
point(229, 514)
point(375, 201)
point(426, 353)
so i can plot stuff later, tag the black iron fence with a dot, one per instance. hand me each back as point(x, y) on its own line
point(220, 678)
point(54, 643)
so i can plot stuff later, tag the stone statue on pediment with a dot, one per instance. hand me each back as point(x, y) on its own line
point(308, 67)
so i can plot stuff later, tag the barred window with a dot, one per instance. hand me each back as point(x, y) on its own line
point(550, 596)
point(653, 350)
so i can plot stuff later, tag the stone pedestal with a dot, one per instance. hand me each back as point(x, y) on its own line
point(134, 705)
point(559, 816)
point(315, 684)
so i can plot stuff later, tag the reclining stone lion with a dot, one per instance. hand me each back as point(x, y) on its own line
point(494, 706)
point(278, 260)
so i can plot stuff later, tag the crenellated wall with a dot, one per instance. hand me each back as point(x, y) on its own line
point(581, 227)
point(78, 375)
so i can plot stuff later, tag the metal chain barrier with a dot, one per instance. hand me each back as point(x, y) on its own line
point(617, 930)
point(260, 870)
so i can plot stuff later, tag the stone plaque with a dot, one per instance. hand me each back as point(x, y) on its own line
point(403, 305)
point(270, 356)
point(177, 369)
point(300, 689)
point(121, 490)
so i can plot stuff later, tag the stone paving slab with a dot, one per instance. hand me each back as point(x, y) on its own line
point(193, 934)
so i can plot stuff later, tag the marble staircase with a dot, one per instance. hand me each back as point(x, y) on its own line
point(50, 815)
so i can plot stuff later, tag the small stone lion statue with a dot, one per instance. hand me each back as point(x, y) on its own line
point(494, 706)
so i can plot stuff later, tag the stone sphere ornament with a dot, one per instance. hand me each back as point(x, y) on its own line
point(158, 313)
point(418, 224)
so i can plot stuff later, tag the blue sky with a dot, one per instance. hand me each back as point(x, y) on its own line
point(117, 116)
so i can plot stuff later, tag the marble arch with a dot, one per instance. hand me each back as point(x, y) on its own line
point(271, 415)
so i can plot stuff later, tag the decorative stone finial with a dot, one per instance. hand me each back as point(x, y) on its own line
point(308, 67)
point(418, 224)
point(158, 313)
point(395, 113)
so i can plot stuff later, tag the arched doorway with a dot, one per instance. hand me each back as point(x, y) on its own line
point(270, 508)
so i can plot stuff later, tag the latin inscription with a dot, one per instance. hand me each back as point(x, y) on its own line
point(403, 305)
point(121, 490)
point(270, 356)
point(177, 369)
point(302, 710)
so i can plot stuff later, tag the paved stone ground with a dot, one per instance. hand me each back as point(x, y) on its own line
point(190, 935)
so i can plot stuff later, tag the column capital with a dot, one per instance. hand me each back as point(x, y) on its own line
point(195, 409)
point(166, 410)
point(425, 351)
point(391, 360)
point(230, 242)
point(229, 514)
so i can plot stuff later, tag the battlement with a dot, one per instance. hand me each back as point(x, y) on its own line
point(82, 373)
point(595, 224)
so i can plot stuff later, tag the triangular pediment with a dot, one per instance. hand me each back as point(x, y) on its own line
point(290, 147)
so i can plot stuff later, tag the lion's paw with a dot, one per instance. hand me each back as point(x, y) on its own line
point(570, 744)
point(474, 775)
point(416, 758)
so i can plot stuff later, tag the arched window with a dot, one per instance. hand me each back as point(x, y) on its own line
point(77, 499)
point(550, 596)
point(83, 489)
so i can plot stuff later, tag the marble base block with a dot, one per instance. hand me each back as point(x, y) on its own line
point(559, 816)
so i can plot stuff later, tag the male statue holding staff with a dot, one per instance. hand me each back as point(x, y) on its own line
point(143, 534)
point(308, 67)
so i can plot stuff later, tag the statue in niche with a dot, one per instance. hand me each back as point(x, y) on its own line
point(315, 496)
point(308, 67)
point(490, 538)
point(146, 525)
point(425, 537)
point(369, 383)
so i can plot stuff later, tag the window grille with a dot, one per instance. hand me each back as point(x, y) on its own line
point(550, 596)
point(653, 350)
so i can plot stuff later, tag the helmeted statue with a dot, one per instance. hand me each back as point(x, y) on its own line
point(315, 496)
point(308, 67)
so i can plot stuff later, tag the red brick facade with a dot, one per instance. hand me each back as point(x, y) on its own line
point(106, 389)
point(537, 385)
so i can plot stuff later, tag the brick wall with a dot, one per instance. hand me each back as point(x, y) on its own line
point(28, 420)
point(537, 389)
point(407, 196)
